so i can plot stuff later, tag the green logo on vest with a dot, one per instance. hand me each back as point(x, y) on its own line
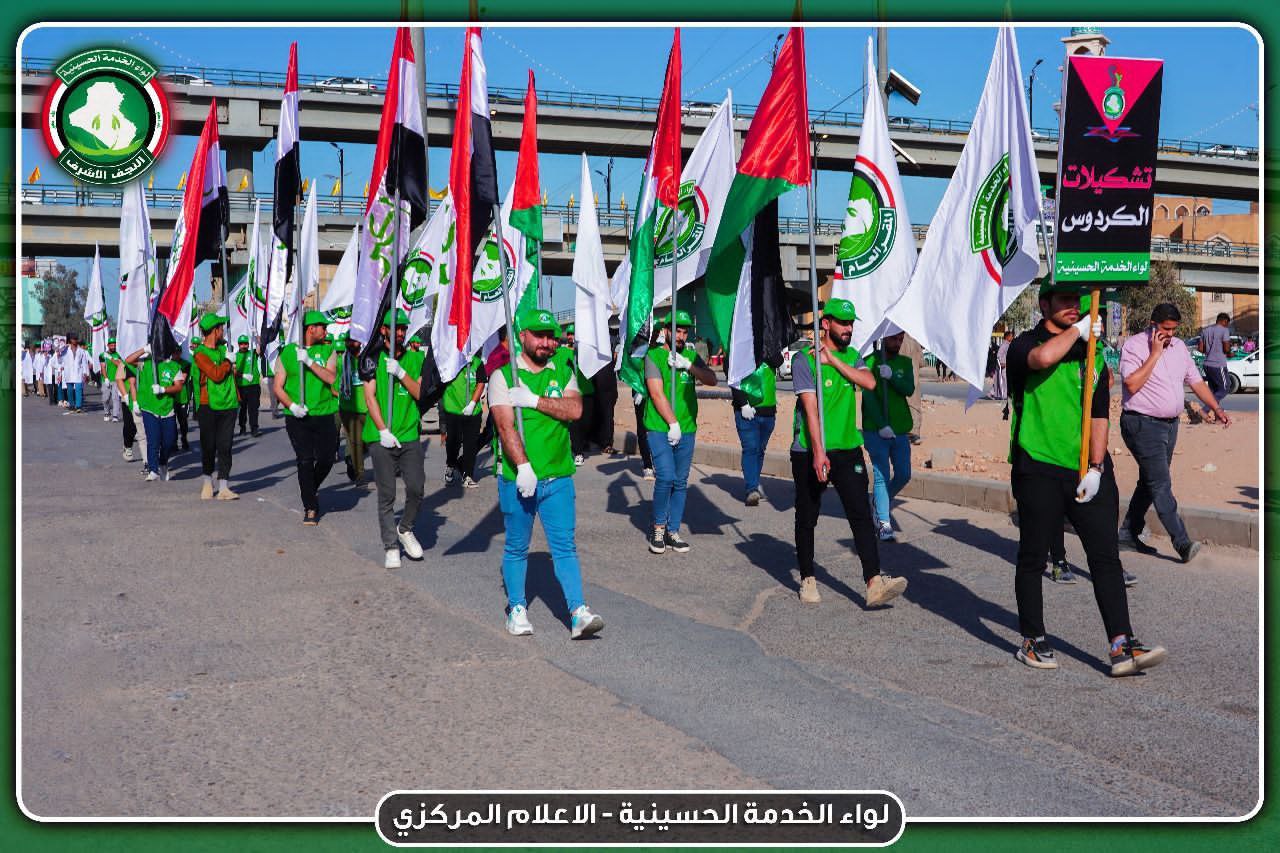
point(680, 232)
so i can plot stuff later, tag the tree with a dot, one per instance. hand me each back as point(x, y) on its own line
point(1165, 285)
point(1021, 314)
point(62, 301)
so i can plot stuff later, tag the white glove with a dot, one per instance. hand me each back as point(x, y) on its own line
point(886, 372)
point(146, 350)
point(524, 398)
point(637, 399)
point(304, 357)
point(298, 410)
point(887, 433)
point(673, 434)
point(1082, 325)
point(388, 439)
point(1088, 486)
point(247, 377)
point(157, 389)
point(137, 410)
point(678, 361)
point(748, 412)
point(526, 480)
point(469, 408)
point(394, 369)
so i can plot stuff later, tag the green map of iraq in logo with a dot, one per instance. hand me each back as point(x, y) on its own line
point(991, 233)
point(105, 119)
point(486, 281)
point(680, 236)
point(870, 223)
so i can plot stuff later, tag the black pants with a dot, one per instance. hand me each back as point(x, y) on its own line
point(642, 437)
point(580, 430)
point(217, 427)
point(129, 428)
point(849, 476)
point(1043, 502)
point(250, 402)
point(180, 409)
point(461, 442)
point(604, 401)
point(314, 439)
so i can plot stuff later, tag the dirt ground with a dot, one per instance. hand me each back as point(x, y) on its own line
point(1213, 467)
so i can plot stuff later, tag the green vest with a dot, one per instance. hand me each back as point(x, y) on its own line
point(222, 395)
point(1047, 424)
point(839, 406)
point(900, 420)
point(184, 396)
point(350, 388)
point(320, 397)
point(405, 416)
point(458, 392)
point(761, 387)
point(546, 440)
point(247, 363)
point(585, 385)
point(686, 398)
point(160, 405)
point(111, 365)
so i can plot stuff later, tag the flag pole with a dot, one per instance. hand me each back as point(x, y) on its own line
point(671, 332)
point(226, 282)
point(817, 320)
point(395, 297)
point(1086, 421)
point(302, 337)
point(506, 308)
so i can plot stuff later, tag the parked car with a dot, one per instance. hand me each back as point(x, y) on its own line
point(1244, 374)
point(346, 84)
point(784, 371)
point(904, 123)
point(1228, 151)
point(181, 79)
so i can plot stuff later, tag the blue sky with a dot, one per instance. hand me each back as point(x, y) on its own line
point(1210, 83)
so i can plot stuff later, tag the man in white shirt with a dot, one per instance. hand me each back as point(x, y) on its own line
point(28, 369)
point(75, 370)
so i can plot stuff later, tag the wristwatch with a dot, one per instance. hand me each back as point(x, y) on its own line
point(1095, 466)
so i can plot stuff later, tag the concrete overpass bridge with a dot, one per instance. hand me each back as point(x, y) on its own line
point(602, 125)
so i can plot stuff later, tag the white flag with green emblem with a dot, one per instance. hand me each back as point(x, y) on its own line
point(427, 268)
point(877, 250)
point(981, 248)
point(340, 296)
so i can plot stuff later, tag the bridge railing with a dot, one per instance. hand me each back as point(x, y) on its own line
point(194, 77)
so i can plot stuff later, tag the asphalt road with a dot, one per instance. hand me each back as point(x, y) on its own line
point(191, 658)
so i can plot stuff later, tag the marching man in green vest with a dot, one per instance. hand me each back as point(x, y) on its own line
point(304, 378)
point(249, 381)
point(461, 409)
point(1046, 368)
point(886, 420)
point(837, 457)
point(535, 476)
point(672, 433)
point(158, 382)
point(217, 400)
point(393, 382)
point(352, 409)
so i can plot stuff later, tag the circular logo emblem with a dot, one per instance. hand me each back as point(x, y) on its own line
point(487, 280)
point(98, 321)
point(870, 222)
point(105, 118)
point(340, 316)
point(416, 281)
point(680, 231)
point(1113, 97)
point(991, 231)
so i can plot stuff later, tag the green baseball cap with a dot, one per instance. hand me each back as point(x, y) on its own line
point(1051, 287)
point(315, 318)
point(211, 321)
point(683, 318)
point(568, 330)
point(839, 309)
point(402, 319)
point(537, 320)
point(111, 340)
point(243, 339)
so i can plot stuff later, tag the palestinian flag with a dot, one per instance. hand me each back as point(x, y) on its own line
point(526, 209)
point(660, 186)
point(399, 172)
point(198, 236)
point(775, 159)
point(473, 176)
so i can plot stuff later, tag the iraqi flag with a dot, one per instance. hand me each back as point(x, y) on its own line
point(877, 250)
point(399, 172)
point(198, 236)
point(287, 189)
point(744, 276)
point(660, 187)
point(981, 248)
point(473, 176)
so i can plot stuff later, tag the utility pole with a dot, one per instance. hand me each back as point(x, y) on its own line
point(1031, 92)
point(608, 185)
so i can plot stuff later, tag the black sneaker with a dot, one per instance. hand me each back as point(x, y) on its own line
point(658, 541)
point(675, 543)
point(1132, 656)
point(1188, 552)
point(1059, 571)
point(1129, 577)
point(1128, 542)
point(1037, 653)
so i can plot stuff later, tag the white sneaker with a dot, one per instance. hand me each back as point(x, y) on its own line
point(115, 420)
point(152, 476)
point(584, 623)
point(579, 460)
point(468, 483)
point(412, 547)
point(886, 532)
point(127, 453)
point(518, 624)
point(106, 418)
point(648, 474)
point(164, 473)
point(392, 559)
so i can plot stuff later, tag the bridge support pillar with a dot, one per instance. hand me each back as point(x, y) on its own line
point(239, 168)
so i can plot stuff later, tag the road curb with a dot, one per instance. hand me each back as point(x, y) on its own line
point(1216, 526)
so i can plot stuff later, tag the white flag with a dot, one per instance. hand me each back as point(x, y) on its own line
point(238, 322)
point(591, 291)
point(255, 293)
point(308, 270)
point(981, 249)
point(341, 294)
point(427, 269)
point(137, 271)
point(877, 250)
point(95, 307)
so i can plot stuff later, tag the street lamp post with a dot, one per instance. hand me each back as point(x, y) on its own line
point(1031, 93)
point(342, 177)
point(608, 185)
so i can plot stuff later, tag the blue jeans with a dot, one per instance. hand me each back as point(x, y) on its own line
point(754, 435)
point(75, 394)
point(554, 503)
point(162, 439)
point(887, 453)
point(671, 470)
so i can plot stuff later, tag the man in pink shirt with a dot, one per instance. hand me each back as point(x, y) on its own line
point(1155, 365)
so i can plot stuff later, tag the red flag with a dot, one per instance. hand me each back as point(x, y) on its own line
point(187, 229)
point(779, 146)
point(666, 141)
